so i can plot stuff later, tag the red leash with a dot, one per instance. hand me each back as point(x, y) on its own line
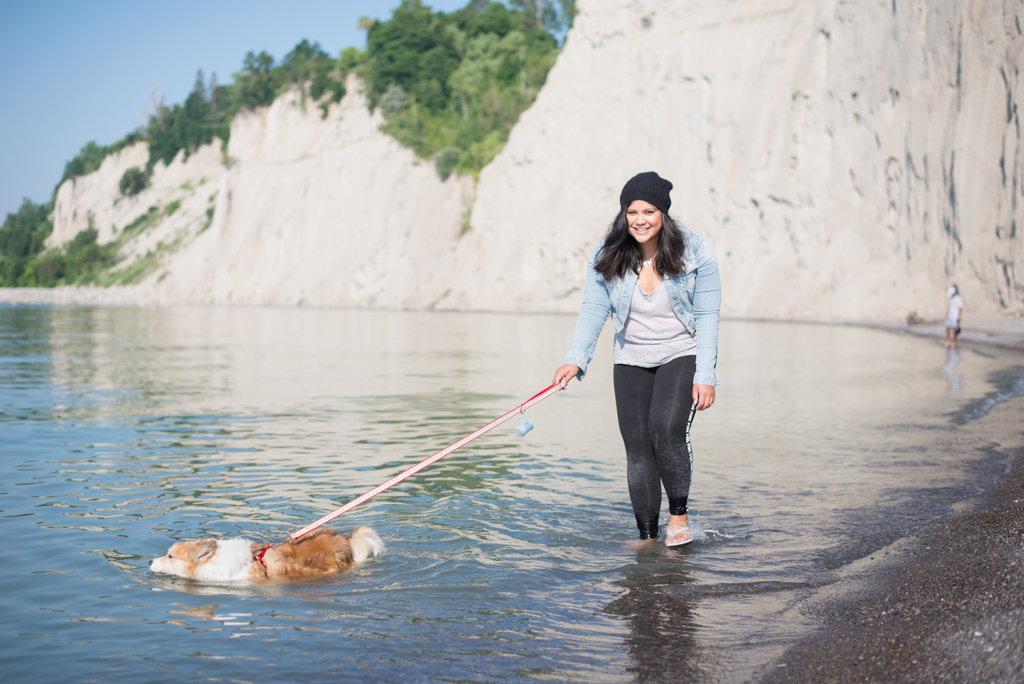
point(259, 557)
point(540, 396)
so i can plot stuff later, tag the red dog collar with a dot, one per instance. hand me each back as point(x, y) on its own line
point(258, 558)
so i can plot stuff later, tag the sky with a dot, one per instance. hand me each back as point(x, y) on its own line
point(77, 71)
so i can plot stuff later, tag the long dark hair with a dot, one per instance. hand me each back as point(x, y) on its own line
point(621, 252)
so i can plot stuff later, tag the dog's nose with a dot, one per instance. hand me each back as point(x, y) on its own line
point(151, 562)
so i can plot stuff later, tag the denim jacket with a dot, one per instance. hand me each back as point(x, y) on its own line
point(695, 294)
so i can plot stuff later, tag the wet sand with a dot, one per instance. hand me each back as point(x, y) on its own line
point(1001, 330)
point(945, 603)
point(1005, 330)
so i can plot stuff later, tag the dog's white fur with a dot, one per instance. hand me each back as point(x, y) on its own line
point(230, 563)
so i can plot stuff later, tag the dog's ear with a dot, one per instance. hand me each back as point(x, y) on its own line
point(204, 549)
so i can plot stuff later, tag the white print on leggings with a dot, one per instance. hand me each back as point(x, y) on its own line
point(689, 449)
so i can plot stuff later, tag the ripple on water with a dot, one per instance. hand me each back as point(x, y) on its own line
point(124, 430)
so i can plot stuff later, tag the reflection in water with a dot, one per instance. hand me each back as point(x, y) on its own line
point(123, 430)
point(948, 372)
point(662, 641)
point(198, 612)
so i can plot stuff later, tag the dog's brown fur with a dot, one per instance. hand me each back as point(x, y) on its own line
point(319, 553)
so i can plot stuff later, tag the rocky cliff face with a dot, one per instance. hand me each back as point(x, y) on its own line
point(302, 209)
point(845, 160)
point(177, 206)
point(324, 211)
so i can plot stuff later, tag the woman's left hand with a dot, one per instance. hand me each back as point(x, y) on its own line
point(703, 396)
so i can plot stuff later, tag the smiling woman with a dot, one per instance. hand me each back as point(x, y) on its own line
point(666, 345)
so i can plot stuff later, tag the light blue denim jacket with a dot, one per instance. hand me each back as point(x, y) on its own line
point(695, 294)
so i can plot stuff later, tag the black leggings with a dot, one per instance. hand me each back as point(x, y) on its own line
point(655, 407)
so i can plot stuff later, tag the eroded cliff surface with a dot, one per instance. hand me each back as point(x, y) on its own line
point(322, 211)
point(301, 209)
point(845, 160)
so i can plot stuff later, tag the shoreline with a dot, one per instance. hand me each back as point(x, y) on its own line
point(1001, 330)
point(69, 295)
point(945, 604)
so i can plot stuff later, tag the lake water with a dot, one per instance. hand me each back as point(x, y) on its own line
point(123, 430)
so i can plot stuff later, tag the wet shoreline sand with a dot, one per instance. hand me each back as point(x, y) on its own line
point(946, 603)
point(1006, 330)
point(1002, 331)
point(70, 295)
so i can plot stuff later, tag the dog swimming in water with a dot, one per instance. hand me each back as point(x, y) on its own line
point(321, 552)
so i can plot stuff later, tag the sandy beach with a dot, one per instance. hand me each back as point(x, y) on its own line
point(945, 603)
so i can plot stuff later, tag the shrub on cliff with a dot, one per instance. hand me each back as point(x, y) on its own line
point(24, 261)
point(133, 181)
point(78, 262)
point(446, 161)
point(393, 101)
point(21, 238)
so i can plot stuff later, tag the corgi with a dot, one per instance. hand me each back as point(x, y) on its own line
point(320, 552)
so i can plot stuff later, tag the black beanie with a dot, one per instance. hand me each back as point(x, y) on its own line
point(649, 187)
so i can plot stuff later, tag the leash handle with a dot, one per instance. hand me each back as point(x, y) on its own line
point(540, 396)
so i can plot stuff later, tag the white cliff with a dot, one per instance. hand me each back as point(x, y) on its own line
point(177, 205)
point(845, 160)
point(322, 211)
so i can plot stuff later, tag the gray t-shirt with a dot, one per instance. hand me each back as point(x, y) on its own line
point(652, 335)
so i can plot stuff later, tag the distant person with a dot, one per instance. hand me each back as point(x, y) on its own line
point(953, 310)
point(659, 281)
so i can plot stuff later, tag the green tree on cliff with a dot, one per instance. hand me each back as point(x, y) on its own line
point(468, 75)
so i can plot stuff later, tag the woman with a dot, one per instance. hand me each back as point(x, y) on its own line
point(953, 310)
point(659, 281)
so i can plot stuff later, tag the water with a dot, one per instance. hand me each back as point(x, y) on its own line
point(123, 430)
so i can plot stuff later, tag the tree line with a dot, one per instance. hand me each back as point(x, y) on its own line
point(451, 86)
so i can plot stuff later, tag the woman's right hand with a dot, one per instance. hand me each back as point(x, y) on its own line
point(564, 374)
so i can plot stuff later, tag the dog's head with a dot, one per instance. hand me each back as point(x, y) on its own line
point(184, 558)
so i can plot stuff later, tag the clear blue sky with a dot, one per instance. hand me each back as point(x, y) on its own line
point(75, 71)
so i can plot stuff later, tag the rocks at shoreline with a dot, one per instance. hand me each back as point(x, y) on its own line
point(74, 296)
point(950, 607)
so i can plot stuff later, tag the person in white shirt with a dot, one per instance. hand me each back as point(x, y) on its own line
point(953, 311)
